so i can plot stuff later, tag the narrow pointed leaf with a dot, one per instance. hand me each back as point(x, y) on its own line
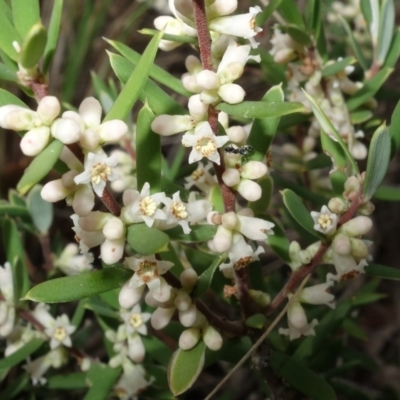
point(72, 381)
point(7, 74)
point(53, 33)
point(131, 91)
point(145, 240)
point(298, 34)
point(394, 130)
point(386, 26)
point(8, 35)
point(168, 36)
point(148, 151)
point(40, 166)
point(299, 211)
point(185, 367)
point(291, 13)
point(205, 278)
point(267, 11)
point(336, 67)
point(378, 160)
point(77, 287)
point(41, 210)
point(382, 271)
point(8, 98)
point(387, 193)
point(278, 242)
point(25, 15)
point(21, 354)
point(33, 47)
point(394, 51)
point(261, 109)
point(101, 379)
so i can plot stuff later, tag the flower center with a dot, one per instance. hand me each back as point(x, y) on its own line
point(206, 146)
point(147, 270)
point(148, 206)
point(100, 172)
point(324, 221)
point(136, 320)
point(60, 334)
point(179, 210)
point(242, 262)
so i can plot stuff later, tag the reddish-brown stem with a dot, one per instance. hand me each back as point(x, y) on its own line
point(39, 89)
point(203, 34)
point(242, 284)
point(110, 202)
point(46, 250)
point(299, 275)
point(163, 337)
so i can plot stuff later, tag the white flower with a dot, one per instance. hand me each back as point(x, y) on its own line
point(201, 178)
point(177, 214)
point(131, 382)
point(72, 263)
point(147, 272)
point(346, 267)
point(142, 207)
point(98, 170)
point(297, 322)
point(317, 294)
point(204, 143)
point(60, 331)
point(325, 221)
point(135, 320)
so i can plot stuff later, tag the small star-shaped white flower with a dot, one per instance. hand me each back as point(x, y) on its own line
point(204, 143)
point(98, 170)
point(325, 221)
point(135, 320)
point(60, 332)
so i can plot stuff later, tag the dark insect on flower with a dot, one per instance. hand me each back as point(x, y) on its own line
point(243, 151)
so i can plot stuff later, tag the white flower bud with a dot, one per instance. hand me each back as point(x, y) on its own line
point(183, 301)
point(83, 201)
point(170, 303)
point(231, 93)
point(223, 119)
point(337, 205)
point(167, 125)
point(4, 110)
point(359, 150)
point(112, 131)
point(249, 190)
point(89, 140)
point(54, 191)
point(284, 56)
point(261, 298)
point(188, 278)
point(367, 208)
point(112, 250)
point(222, 240)
point(304, 257)
point(222, 7)
point(291, 150)
point(357, 226)
point(188, 317)
point(160, 318)
point(231, 72)
point(90, 111)
point(66, 131)
point(164, 293)
point(352, 184)
point(198, 110)
point(193, 64)
point(189, 338)
point(212, 338)
point(231, 177)
point(297, 315)
point(230, 220)
point(190, 83)
point(136, 350)
point(317, 294)
point(341, 244)
point(237, 134)
point(95, 221)
point(114, 229)
point(75, 117)
point(128, 296)
point(35, 140)
point(207, 80)
point(19, 119)
point(358, 248)
point(254, 170)
point(209, 96)
point(48, 109)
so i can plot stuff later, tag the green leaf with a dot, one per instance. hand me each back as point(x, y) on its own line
point(216, 199)
point(157, 350)
point(318, 162)
point(378, 160)
point(291, 13)
point(299, 35)
point(5, 9)
point(205, 278)
point(256, 321)
point(334, 151)
point(338, 66)
point(267, 185)
point(159, 101)
point(366, 10)
point(360, 116)
point(387, 194)
point(54, 30)
point(353, 329)
point(382, 271)
point(145, 240)
point(155, 72)
point(15, 252)
point(299, 211)
point(41, 211)
point(8, 98)
point(25, 15)
point(8, 36)
point(40, 166)
point(148, 151)
point(131, 91)
point(262, 17)
point(356, 48)
point(7, 73)
point(279, 242)
point(101, 379)
point(185, 367)
point(301, 378)
point(199, 233)
point(21, 354)
point(327, 127)
point(263, 130)
point(386, 25)
point(33, 47)
point(394, 51)
point(394, 130)
point(261, 109)
point(312, 16)
point(14, 211)
point(348, 390)
point(16, 387)
point(369, 89)
point(172, 38)
point(77, 287)
point(75, 380)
